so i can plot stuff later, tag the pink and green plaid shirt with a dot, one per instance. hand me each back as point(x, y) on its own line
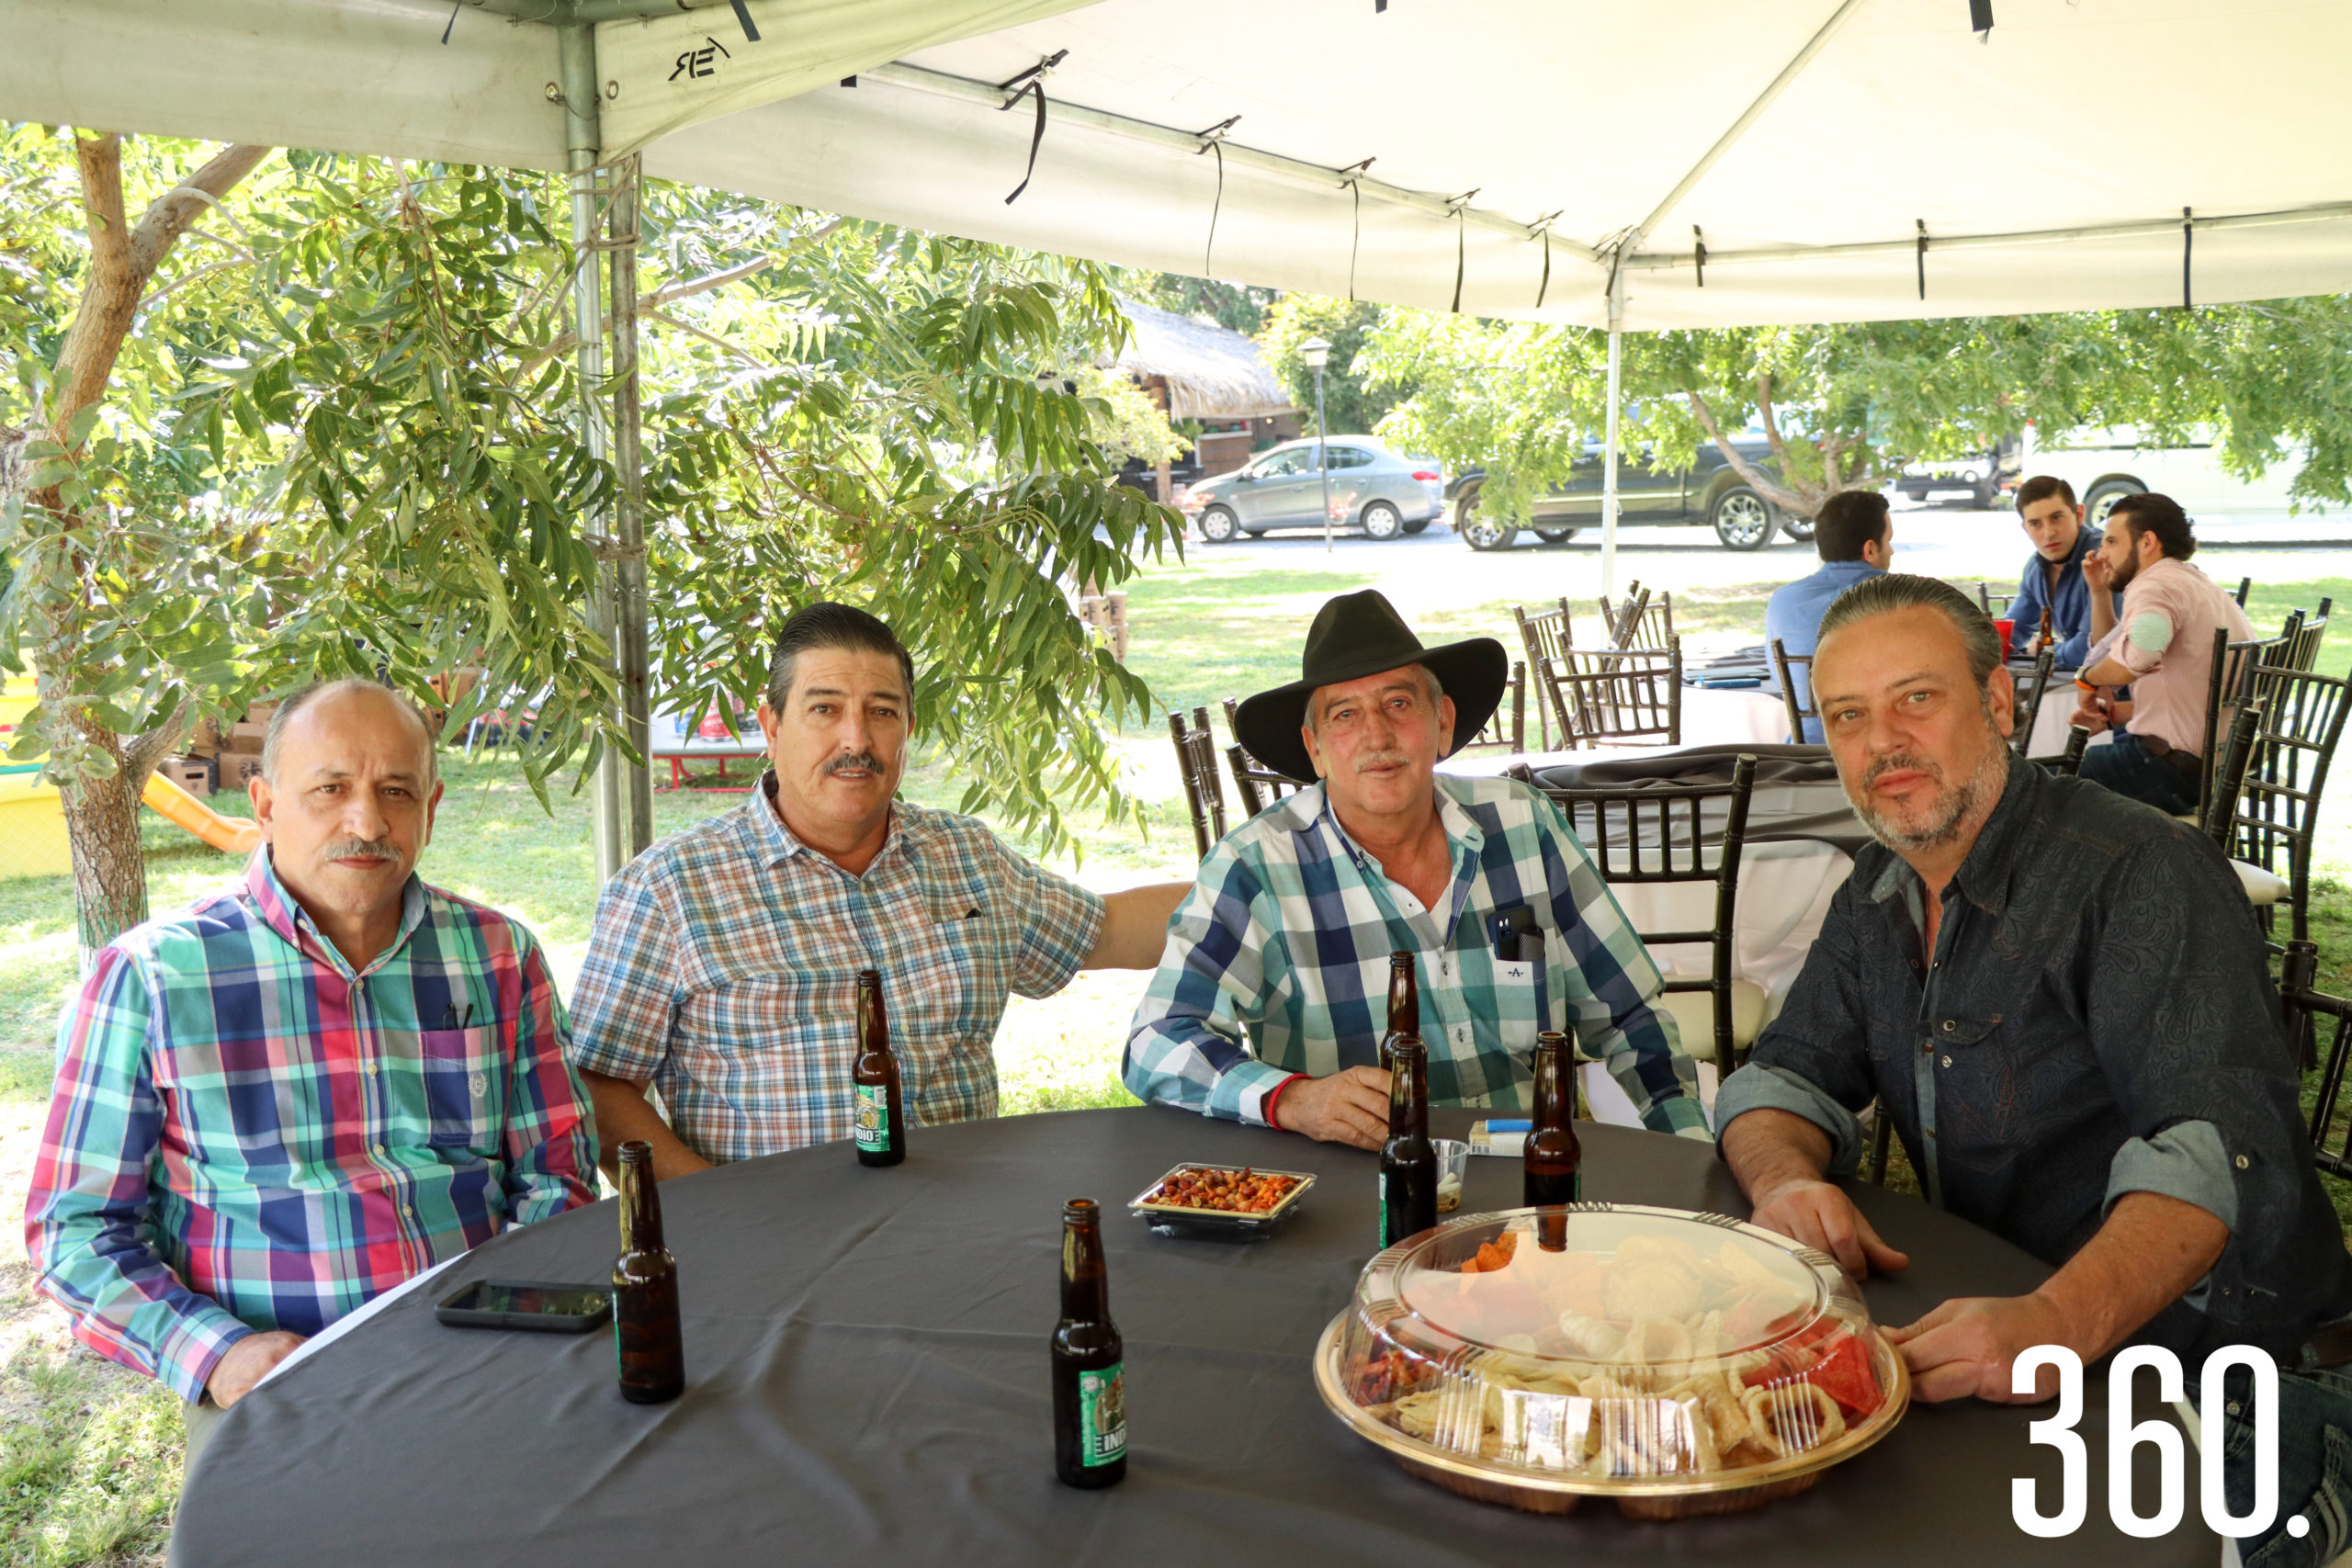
point(724, 968)
point(246, 1134)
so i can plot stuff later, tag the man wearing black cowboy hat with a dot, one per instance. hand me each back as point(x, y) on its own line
point(1288, 929)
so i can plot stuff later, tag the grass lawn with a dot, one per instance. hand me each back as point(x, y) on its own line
point(89, 1455)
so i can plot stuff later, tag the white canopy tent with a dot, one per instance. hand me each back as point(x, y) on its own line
point(1565, 160)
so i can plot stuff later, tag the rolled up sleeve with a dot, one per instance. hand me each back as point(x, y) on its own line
point(2185, 1161)
point(1756, 1088)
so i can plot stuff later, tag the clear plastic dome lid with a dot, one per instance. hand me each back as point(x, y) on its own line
point(1616, 1348)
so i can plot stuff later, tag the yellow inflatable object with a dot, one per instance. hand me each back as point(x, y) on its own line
point(183, 810)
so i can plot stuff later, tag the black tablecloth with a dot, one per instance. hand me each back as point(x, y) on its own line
point(867, 1366)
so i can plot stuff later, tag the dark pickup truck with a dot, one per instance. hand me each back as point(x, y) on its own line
point(1710, 492)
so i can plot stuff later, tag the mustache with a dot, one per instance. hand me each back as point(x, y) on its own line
point(1906, 760)
point(361, 848)
point(1365, 765)
point(866, 761)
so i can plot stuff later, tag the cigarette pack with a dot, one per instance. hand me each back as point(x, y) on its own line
point(1499, 1136)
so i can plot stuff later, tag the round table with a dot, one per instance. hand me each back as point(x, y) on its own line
point(867, 1384)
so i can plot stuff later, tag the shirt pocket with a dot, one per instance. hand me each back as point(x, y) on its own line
point(464, 1071)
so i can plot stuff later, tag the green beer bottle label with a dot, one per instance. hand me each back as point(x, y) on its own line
point(1101, 1416)
point(1386, 1240)
point(873, 1117)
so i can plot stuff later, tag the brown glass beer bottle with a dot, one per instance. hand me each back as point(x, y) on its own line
point(1090, 1384)
point(881, 1126)
point(1553, 1156)
point(1404, 1005)
point(1408, 1160)
point(645, 1290)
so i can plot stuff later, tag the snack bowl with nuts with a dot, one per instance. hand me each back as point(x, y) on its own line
point(1220, 1203)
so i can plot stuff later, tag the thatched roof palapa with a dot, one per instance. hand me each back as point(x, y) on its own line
point(1212, 372)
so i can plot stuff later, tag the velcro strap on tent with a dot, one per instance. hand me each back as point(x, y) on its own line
point(1030, 82)
point(1213, 140)
point(1353, 175)
point(1461, 205)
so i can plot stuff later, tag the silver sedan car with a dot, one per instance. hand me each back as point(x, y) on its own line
point(1374, 489)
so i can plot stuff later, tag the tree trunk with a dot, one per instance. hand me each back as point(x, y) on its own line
point(109, 870)
point(102, 814)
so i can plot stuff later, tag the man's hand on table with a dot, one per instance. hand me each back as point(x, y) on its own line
point(246, 1363)
point(1348, 1107)
point(1818, 1213)
point(1967, 1345)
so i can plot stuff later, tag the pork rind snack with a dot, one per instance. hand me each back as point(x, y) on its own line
point(1614, 1344)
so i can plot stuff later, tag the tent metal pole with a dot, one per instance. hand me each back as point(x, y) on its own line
point(629, 464)
point(576, 54)
point(1609, 444)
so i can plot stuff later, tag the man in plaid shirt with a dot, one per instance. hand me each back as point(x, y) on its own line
point(1289, 928)
point(723, 966)
point(299, 1094)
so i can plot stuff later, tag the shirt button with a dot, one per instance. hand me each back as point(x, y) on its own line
point(409, 1211)
point(2243, 1162)
point(1947, 1061)
point(371, 1069)
point(1950, 1024)
point(1931, 1132)
point(379, 1148)
point(2231, 1407)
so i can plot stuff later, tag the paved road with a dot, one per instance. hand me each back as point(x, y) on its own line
point(1436, 568)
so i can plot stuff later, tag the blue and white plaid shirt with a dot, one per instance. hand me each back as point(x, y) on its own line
point(1288, 932)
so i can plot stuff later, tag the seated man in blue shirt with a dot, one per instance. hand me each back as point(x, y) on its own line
point(1856, 538)
point(2056, 997)
point(2053, 578)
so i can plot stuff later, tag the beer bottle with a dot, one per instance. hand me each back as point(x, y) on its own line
point(1404, 1005)
point(2041, 639)
point(881, 1121)
point(1089, 1388)
point(1408, 1160)
point(645, 1290)
point(1552, 1154)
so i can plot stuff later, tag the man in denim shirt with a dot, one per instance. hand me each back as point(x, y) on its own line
point(2059, 998)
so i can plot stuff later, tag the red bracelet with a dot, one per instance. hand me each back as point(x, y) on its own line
point(1276, 1094)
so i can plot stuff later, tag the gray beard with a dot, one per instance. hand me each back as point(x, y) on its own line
point(1989, 778)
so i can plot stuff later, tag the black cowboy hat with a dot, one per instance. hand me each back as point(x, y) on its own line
point(1358, 634)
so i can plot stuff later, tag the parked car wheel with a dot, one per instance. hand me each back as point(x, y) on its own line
point(1218, 525)
point(1479, 530)
point(1797, 528)
point(1382, 521)
point(1742, 519)
point(1555, 536)
point(2103, 497)
point(1418, 525)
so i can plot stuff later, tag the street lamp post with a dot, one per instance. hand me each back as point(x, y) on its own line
point(1315, 351)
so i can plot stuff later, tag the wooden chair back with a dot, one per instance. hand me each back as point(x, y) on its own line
point(1615, 694)
point(2306, 1010)
point(2031, 689)
point(1258, 786)
point(1507, 728)
point(1196, 762)
point(2275, 814)
point(1785, 666)
point(1661, 834)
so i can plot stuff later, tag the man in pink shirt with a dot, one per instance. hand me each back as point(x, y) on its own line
point(2161, 646)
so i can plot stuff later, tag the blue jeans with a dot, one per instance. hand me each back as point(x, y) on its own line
point(2129, 768)
point(2314, 1463)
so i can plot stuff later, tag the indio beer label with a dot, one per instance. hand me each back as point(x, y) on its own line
point(873, 1117)
point(1103, 1415)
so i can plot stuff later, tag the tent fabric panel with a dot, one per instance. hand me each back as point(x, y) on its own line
point(330, 76)
point(901, 156)
point(679, 70)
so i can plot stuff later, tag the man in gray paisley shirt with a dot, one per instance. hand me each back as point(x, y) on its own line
point(2059, 998)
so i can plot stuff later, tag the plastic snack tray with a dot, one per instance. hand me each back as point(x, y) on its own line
point(1217, 1224)
point(1675, 1364)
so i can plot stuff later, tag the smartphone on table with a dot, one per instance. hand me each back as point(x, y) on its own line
point(534, 1305)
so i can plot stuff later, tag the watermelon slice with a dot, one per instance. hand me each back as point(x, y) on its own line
point(1844, 1374)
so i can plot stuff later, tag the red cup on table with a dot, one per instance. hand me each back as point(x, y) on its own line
point(2008, 630)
